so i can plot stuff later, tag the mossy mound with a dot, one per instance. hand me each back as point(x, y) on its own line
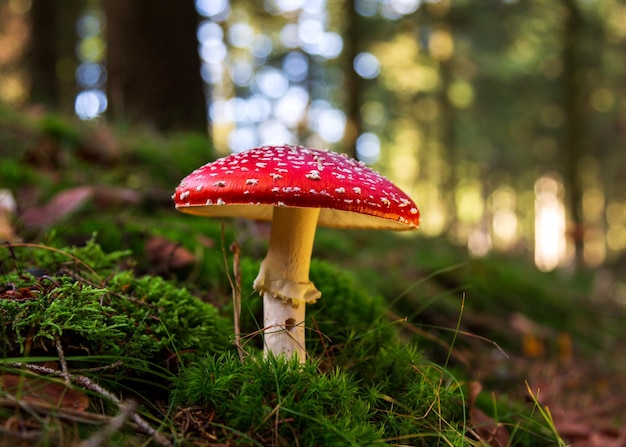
point(345, 312)
point(152, 340)
point(85, 301)
point(275, 402)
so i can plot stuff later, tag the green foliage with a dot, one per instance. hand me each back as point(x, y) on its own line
point(14, 174)
point(138, 319)
point(173, 157)
point(258, 398)
point(346, 310)
point(365, 388)
point(179, 319)
point(61, 129)
point(373, 387)
point(345, 304)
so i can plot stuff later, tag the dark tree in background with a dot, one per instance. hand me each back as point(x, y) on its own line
point(354, 34)
point(153, 64)
point(576, 136)
point(51, 56)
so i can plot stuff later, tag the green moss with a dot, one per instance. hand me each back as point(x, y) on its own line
point(62, 129)
point(346, 311)
point(367, 386)
point(173, 158)
point(110, 313)
point(362, 386)
point(14, 174)
point(338, 407)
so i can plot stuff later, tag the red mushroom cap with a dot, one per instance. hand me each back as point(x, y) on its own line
point(250, 183)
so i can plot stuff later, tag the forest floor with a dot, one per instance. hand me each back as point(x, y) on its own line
point(555, 338)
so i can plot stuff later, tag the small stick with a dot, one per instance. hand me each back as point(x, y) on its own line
point(89, 384)
point(236, 286)
point(64, 371)
point(95, 440)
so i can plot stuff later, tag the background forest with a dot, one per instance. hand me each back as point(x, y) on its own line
point(503, 119)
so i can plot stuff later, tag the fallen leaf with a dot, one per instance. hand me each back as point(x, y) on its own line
point(60, 206)
point(71, 200)
point(8, 208)
point(44, 392)
point(487, 428)
point(165, 254)
point(101, 146)
point(108, 197)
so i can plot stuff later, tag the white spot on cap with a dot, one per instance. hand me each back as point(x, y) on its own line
point(252, 181)
point(356, 190)
point(220, 202)
point(291, 189)
point(220, 184)
point(184, 195)
point(275, 176)
point(385, 201)
point(340, 190)
point(313, 175)
point(413, 211)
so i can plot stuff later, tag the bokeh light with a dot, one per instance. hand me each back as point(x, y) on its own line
point(242, 138)
point(296, 66)
point(288, 5)
point(240, 35)
point(366, 65)
point(261, 46)
point(273, 132)
point(241, 72)
point(215, 9)
point(208, 30)
point(550, 242)
point(90, 104)
point(90, 74)
point(366, 8)
point(368, 148)
point(271, 82)
point(291, 108)
point(329, 123)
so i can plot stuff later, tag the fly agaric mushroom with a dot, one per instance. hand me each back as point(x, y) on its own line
point(296, 188)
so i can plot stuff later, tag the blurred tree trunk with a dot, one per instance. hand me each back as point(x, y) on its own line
point(153, 64)
point(353, 82)
point(576, 134)
point(51, 57)
point(442, 21)
point(447, 141)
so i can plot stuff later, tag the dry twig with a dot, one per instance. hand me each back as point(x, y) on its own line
point(89, 384)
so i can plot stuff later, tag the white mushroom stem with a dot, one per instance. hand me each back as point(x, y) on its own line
point(283, 280)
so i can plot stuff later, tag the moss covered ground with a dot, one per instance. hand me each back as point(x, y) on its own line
point(116, 319)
